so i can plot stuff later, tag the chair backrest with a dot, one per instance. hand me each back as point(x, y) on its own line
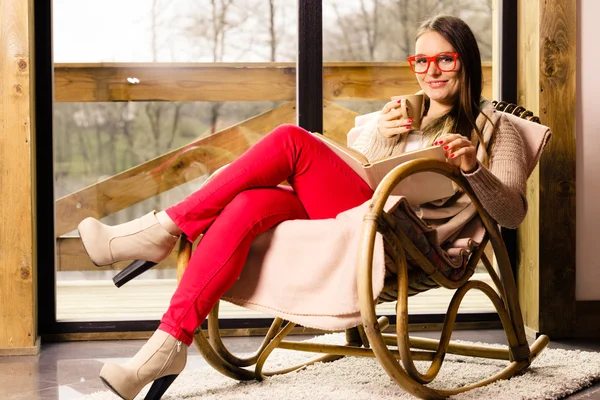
point(535, 137)
point(514, 109)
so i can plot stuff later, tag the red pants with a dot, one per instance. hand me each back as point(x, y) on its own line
point(243, 201)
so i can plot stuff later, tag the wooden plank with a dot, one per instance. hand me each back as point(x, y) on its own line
point(351, 82)
point(174, 168)
point(231, 82)
point(547, 79)
point(22, 351)
point(528, 258)
point(528, 233)
point(18, 328)
point(173, 82)
point(71, 256)
point(558, 66)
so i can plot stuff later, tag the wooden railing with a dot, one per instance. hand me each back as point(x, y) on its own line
point(231, 82)
point(206, 82)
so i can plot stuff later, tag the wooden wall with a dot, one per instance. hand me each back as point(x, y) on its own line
point(18, 331)
point(547, 59)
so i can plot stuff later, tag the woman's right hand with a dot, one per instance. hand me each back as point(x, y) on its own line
point(390, 122)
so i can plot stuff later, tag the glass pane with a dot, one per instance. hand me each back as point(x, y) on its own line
point(174, 31)
point(120, 154)
point(366, 43)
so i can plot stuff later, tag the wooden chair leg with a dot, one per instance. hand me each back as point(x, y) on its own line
point(184, 253)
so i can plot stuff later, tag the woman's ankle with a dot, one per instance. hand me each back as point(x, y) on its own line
point(177, 333)
point(166, 222)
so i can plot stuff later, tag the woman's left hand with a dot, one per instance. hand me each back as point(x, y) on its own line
point(459, 151)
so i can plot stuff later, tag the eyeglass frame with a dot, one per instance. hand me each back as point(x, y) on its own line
point(433, 59)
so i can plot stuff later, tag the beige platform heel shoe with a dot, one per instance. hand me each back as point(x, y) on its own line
point(143, 239)
point(161, 360)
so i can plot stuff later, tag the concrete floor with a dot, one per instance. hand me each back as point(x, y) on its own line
point(68, 371)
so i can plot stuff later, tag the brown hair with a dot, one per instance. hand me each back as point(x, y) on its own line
point(461, 118)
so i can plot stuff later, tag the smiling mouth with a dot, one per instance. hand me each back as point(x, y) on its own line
point(436, 84)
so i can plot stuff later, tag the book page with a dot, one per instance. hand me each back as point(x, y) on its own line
point(418, 188)
point(355, 159)
point(340, 148)
point(382, 166)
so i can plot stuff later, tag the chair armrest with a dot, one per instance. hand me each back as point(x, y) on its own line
point(396, 175)
point(404, 170)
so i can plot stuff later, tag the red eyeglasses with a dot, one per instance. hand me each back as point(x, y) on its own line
point(445, 62)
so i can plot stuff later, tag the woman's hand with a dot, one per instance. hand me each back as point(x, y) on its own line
point(390, 122)
point(459, 151)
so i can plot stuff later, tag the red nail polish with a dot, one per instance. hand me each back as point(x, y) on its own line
point(445, 147)
point(451, 155)
point(440, 142)
point(434, 143)
point(400, 101)
point(409, 127)
point(410, 121)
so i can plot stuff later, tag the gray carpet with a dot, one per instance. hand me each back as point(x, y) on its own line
point(553, 375)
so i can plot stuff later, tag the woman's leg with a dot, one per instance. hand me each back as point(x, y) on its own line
point(324, 183)
point(213, 268)
point(220, 255)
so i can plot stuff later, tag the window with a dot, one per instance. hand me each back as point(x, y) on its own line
point(137, 86)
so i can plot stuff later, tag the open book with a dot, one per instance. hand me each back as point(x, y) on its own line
point(419, 188)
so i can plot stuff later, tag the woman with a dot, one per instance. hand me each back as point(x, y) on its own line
point(245, 200)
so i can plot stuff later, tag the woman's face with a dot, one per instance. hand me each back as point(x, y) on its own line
point(439, 86)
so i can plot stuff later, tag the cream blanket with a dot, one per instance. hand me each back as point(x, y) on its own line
point(304, 271)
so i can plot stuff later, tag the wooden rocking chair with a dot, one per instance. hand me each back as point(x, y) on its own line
point(367, 340)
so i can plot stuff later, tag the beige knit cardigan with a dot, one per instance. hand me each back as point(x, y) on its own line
point(501, 187)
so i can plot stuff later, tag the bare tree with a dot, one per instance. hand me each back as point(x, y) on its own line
point(477, 13)
point(212, 28)
point(405, 41)
point(158, 112)
point(376, 30)
point(345, 46)
point(370, 19)
point(125, 117)
point(272, 31)
point(80, 118)
point(359, 36)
